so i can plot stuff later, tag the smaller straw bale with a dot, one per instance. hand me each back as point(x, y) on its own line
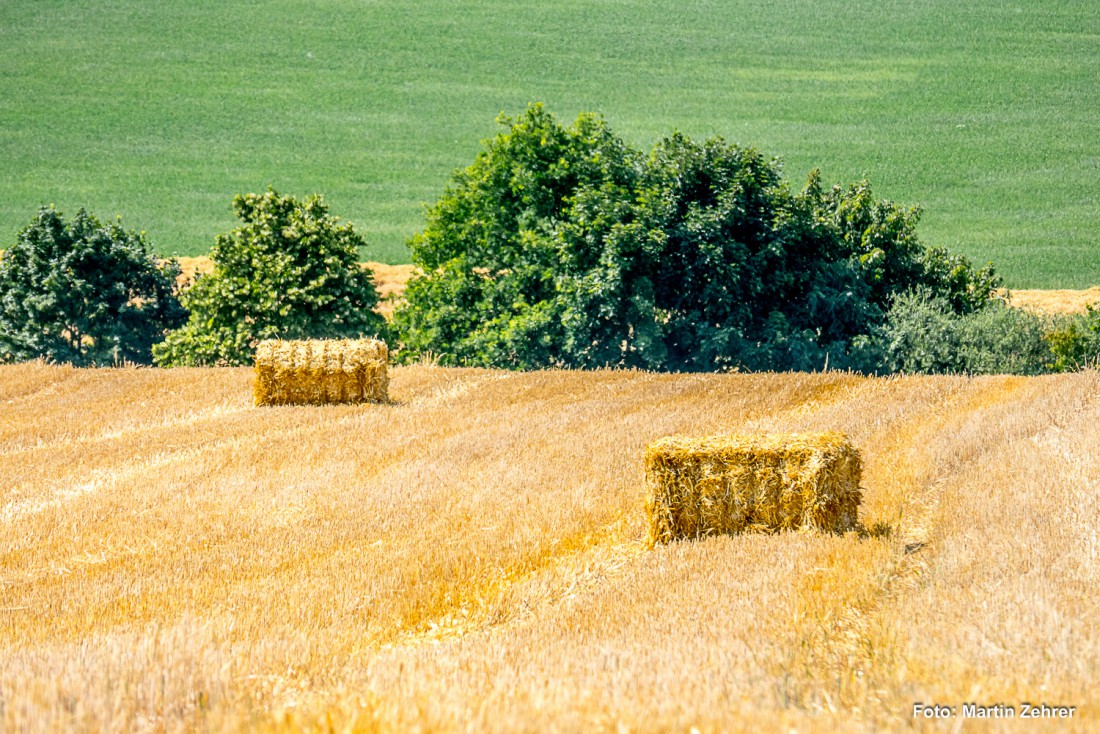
point(698, 487)
point(318, 371)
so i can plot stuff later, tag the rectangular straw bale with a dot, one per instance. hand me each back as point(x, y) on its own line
point(317, 371)
point(697, 487)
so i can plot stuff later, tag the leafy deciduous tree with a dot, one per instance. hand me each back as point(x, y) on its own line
point(289, 271)
point(563, 246)
point(84, 293)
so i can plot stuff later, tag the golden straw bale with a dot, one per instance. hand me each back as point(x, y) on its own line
point(697, 487)
point(319, 371)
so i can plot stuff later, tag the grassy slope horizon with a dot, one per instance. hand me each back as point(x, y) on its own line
point(983, 114)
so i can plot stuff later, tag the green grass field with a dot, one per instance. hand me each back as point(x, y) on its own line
point(985, 113)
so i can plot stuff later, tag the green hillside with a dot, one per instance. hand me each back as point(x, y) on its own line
point(984, 113)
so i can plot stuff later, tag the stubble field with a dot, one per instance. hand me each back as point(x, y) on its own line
point(470, 557)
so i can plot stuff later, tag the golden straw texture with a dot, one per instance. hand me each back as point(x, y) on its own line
point(698, 487)
point(314, 372)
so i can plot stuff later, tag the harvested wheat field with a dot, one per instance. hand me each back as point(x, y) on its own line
point(1055, 301)
point(471, 556)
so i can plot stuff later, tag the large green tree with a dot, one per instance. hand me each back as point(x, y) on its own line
point(493, 260)
point(85, 293)
point(290, 271)
point(563, 246)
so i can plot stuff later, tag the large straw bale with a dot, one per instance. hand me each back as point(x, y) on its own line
point(697, 487)
point(321, 371)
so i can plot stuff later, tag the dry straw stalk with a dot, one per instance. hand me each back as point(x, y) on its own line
point(315, 372)
point(697, 487)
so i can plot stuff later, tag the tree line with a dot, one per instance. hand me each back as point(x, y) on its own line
point(559, 246)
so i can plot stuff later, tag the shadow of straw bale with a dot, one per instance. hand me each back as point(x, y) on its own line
point(877, 530)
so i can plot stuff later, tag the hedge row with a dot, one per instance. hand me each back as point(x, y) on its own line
point(557, 247)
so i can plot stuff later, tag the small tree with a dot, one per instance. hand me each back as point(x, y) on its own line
point(290, 271)
point(84, 293)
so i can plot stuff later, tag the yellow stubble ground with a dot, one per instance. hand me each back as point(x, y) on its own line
point(470, 556)
point(1055, 301)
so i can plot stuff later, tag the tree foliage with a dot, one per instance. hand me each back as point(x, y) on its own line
point(289, 271)
point(565, 247)
point(84, 293)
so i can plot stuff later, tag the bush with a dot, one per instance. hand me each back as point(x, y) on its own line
point(84, 293)
point(290, 271)
point(564, 247)
point(998, 339)
point(924, 334)
point(921, 335)
point(1075, 340)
